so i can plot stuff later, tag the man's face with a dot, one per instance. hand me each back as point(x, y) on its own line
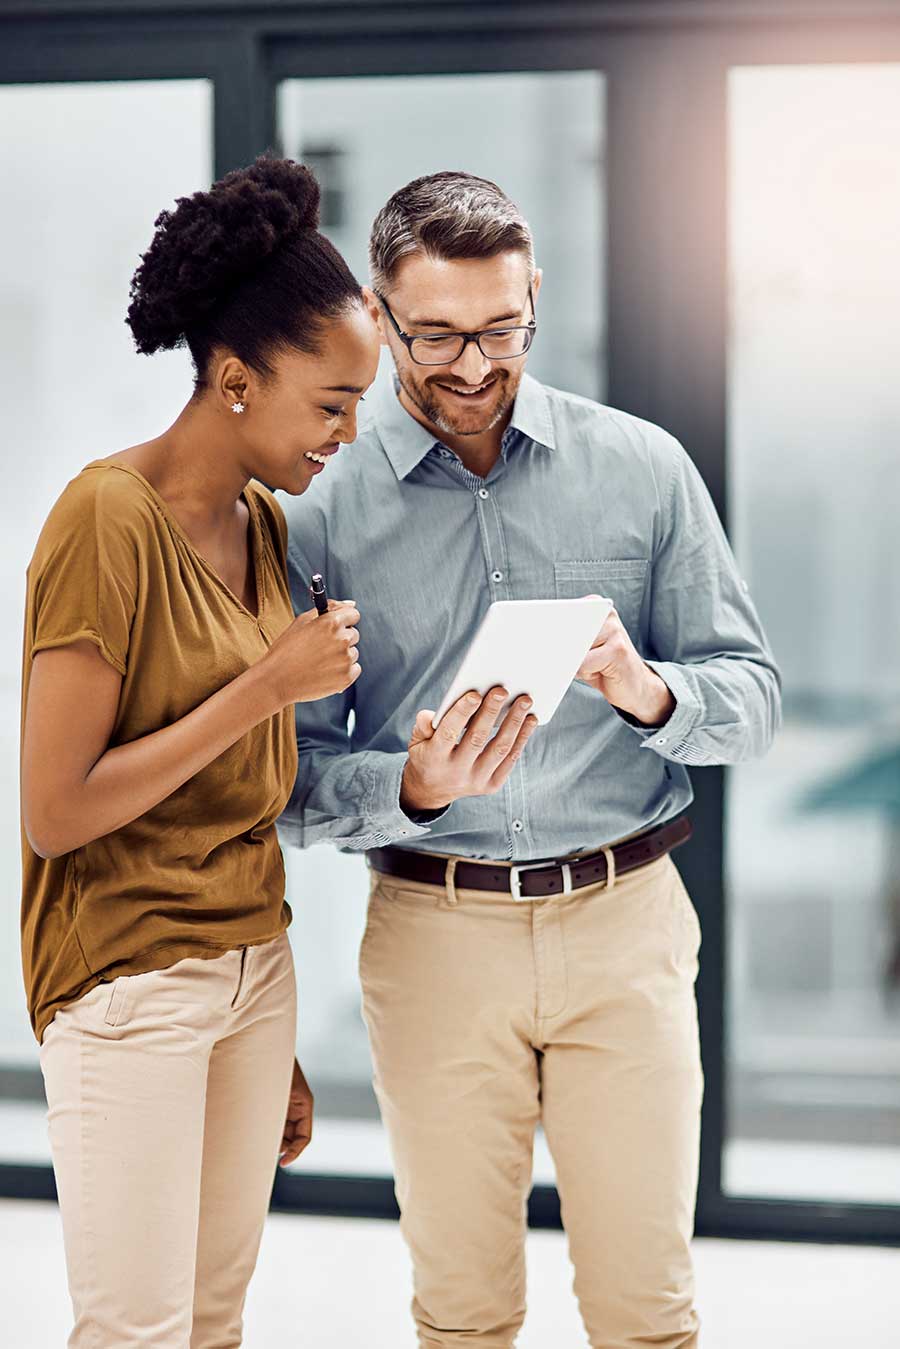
point(432, 295)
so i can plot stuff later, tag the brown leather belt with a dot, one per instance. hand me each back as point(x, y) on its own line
point(534, 880)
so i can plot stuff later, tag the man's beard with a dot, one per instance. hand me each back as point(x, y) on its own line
point(429, 406)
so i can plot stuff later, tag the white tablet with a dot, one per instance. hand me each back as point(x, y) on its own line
point(529, 646)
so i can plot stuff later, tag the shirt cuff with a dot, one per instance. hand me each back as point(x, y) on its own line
point(383, 807)
point(686, 715)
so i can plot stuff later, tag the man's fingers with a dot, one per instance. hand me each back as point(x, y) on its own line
point(455, 720)
point(611, 628)
point(503, 741)
point(596, 660)
point(508, 762)
point(482, 724)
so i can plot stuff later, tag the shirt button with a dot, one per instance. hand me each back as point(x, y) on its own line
point(496, 575)
point(483, 493)
point(661, 740)
point(518, 826)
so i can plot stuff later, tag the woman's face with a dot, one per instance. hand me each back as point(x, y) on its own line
point(309, 407)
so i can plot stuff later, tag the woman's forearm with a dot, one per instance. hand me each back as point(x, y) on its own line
point(129, 780)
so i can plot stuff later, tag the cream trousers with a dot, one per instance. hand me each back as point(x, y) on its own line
point(167, 1096)
point(486, 1016)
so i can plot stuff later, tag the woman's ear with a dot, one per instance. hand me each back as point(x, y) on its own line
point(374, 307)
point(232, 383)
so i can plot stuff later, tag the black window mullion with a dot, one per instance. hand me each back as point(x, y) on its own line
point(244, 118)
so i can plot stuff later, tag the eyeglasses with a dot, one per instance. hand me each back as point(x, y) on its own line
point(496, 344)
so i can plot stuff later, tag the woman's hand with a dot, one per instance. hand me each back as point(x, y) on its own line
point(317, 655)
point(75, 788)
point(298, 1125)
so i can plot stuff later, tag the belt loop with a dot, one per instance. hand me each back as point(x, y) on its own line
point(610, 867)
point(450, 880)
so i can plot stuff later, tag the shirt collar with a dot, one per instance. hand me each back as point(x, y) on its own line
point(406, 441)
point(531, 413)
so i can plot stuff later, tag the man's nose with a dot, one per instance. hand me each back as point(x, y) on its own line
point(471, 366)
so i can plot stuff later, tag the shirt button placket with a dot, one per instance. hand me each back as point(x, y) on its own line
point(492, 544)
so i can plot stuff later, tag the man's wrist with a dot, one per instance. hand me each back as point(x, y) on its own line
point(656, 705)
point(411, 802)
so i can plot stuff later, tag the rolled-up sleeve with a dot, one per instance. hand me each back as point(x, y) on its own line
point(348, 798)
point(704, 637)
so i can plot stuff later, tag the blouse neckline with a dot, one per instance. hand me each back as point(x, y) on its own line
point(256, 540)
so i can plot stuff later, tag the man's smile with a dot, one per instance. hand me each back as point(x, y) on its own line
point(469, 391)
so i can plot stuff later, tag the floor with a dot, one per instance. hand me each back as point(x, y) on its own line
point(330, 1283)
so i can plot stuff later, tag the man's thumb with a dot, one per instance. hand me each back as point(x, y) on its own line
point(423, 730)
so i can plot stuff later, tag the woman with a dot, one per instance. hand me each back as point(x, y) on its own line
point(161, 665)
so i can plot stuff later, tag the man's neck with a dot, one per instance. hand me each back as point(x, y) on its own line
point(478, 453)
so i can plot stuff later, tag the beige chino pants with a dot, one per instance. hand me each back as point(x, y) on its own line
point(167, 1095)
point(486, 1016)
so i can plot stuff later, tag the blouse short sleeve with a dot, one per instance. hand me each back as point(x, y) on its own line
point(83, 578)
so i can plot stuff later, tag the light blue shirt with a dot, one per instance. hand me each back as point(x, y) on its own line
point(583, 499)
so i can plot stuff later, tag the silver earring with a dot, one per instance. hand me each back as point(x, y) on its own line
point(237, 407)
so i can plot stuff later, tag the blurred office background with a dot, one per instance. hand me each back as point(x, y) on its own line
point(779, 375)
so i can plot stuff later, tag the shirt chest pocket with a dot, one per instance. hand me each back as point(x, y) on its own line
point(621, 579)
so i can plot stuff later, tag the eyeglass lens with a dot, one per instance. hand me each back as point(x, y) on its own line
point(440, 349)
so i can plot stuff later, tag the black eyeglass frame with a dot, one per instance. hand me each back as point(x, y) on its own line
point(407, 339)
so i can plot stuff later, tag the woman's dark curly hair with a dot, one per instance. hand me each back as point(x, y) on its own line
point(241, 267)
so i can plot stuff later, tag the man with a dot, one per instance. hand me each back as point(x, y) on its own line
point(497, 995)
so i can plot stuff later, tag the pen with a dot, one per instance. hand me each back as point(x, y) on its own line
point(319, 593)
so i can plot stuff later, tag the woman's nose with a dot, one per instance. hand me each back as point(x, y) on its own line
point(347, 430)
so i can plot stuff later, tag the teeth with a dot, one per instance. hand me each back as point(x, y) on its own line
point(316, 458)
point(468, 393)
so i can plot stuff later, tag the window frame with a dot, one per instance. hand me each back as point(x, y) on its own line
point(666, 66)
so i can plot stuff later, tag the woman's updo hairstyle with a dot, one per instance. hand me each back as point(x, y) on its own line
point(241, 267)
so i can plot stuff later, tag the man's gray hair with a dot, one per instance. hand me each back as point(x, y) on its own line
point(447, 215)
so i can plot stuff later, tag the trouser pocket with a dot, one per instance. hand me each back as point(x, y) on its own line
point(117, 1006)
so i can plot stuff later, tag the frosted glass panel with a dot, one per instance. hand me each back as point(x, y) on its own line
point(86, 172)
point(540, 136)
point(813, 848)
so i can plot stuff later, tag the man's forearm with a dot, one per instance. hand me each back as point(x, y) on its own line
point(727, 710)
point(656, 704)
point(348, 799)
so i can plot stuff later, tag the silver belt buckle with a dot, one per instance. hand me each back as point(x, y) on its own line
point(515, 884)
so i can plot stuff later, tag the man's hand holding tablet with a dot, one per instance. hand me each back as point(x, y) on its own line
point(523, 657)
point(615, 668)
point(441, 768)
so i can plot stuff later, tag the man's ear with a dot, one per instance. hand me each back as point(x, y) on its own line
point(376, 311)
point(536, 281)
